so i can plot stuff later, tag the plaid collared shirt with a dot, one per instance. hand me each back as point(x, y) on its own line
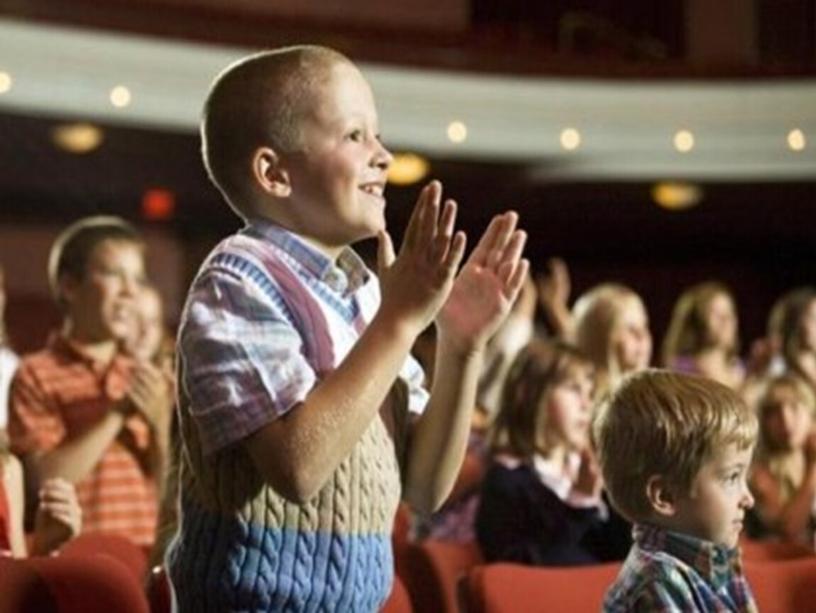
point(251, 347)
point(672, 573)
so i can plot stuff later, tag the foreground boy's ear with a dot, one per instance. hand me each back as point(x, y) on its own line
point(661, 496)
point(269, 174)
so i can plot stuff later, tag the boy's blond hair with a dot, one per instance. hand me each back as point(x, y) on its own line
point(258, 101)
point(669, 424)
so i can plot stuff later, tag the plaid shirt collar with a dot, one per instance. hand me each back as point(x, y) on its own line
point(718, 564)
point(345, 276)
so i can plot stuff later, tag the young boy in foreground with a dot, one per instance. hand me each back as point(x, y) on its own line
point(674, 451)
point(301, 410)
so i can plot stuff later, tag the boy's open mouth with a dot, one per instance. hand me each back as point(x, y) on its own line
point(373, 189)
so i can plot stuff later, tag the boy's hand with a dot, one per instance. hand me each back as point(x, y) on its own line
point(151, 395)
point(487, 286)
point(59, 516)
point(417, 282)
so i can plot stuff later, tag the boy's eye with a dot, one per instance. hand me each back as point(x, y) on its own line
point(355, 136)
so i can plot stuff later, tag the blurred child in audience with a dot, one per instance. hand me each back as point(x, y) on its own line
point(783, 478)
point(798, 333)
point(610, 325)
point(702, 337)
point(82, 409)
point(58, 519)
point(8, 359)
point(553, 295)
point(151, 343)
point(541, 498)
point(675, 451)
point(455, 520)
point(150, 340)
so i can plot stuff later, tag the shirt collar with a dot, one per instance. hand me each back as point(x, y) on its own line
point(717, 563)
point(345, 275)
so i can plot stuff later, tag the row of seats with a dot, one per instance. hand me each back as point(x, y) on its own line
point(447, 578)
point(99, 573)
point(102, 573)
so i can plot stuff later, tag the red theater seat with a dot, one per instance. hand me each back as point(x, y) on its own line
point(509, 588)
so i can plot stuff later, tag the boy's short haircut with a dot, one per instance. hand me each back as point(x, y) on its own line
point(662, 423)
point(258, 101)
point(73, 247)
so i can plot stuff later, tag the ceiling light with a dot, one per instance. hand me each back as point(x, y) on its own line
point(5, 82)
point(570, 139)
point(676, 195)
point(457, 132)
point(796, 140)
point(77, 138)
point(407, 168)
point(683, 141)
point(120, 96)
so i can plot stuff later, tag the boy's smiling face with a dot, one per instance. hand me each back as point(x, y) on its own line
point(338, 175)
point(714, 508)
point(101, 304)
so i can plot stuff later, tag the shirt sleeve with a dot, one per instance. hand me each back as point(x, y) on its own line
point(35, 424)
point(414, 376)
point(242, 360)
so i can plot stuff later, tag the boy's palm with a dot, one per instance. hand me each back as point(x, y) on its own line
point(417, 282)
point(487, 286)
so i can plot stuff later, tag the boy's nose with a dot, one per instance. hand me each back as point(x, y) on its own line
point(382, 157)
point(747, 498)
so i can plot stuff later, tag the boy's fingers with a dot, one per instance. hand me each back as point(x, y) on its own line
point(444, 232)
point(517, 279)
point(385, 251)
point(427, 228)
point(494, 239)
point(456, 252)
point(513, 250)
point(503, 236)
point(414, 229)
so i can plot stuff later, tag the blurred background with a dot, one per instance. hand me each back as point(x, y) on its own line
point(653, 143)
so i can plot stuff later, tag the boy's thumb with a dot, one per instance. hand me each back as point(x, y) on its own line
point(385, 250)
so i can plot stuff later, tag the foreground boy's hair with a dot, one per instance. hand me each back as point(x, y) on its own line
point(661, 423)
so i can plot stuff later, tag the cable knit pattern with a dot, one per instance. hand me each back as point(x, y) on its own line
point(243, 547)
point(246, 548)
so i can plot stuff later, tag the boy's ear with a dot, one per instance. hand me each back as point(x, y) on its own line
point(661, 496)
point(269, 174)
point(66, 287)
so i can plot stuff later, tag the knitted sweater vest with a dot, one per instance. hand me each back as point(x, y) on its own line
point(243, 547)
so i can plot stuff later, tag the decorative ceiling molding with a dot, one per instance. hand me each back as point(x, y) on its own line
point(626, 127)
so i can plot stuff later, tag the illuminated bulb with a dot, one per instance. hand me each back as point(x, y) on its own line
point(676, 196)
point(407, 168)
point(796, 140)
point(570, 139)
point(5, 82)
point(77, 137)
point(120, 96)
point(457, 132)
point(683, 141)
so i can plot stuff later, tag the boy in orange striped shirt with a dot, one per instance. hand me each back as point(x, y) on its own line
point(82, 409)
